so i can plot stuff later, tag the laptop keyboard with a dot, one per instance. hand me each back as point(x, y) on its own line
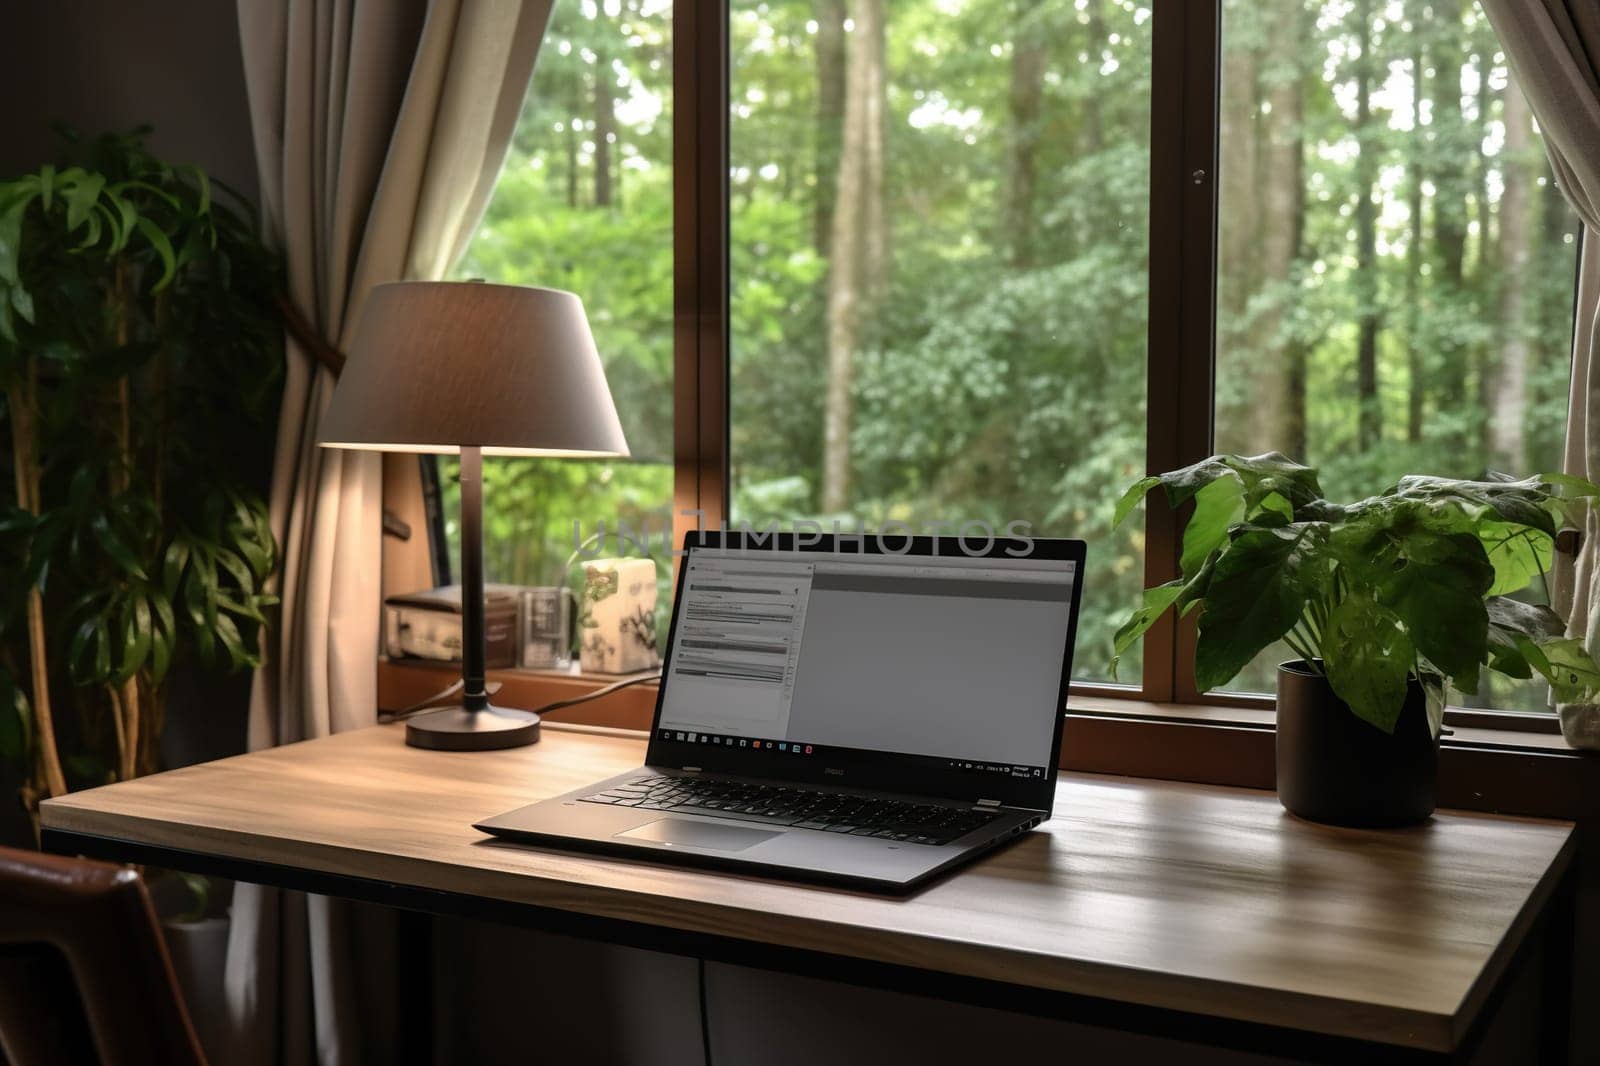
point(833, 812)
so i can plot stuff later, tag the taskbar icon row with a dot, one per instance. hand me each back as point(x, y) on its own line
point(782, 747)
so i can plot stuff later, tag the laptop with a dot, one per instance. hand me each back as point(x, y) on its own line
point(859, 711)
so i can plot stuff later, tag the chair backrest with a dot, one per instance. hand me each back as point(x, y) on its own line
point(84, 972)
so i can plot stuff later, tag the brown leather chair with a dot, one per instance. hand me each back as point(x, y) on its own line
point(84, 972)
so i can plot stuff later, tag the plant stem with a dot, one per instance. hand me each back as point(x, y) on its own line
point(118, 725)
point(1306, 639)
point(22, 397)
point(121, 478)
point(1294, 646)
point(131, 705)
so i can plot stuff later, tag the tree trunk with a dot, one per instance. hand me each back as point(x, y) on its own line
point(1416, 374)
point(605, 127)
point(1278, 413)
point(1509, 396)
point(23, 400)
point(1028, 59)
point(1240, 230)
point(572, 165)
point(858, 246)
point(1452, 182)
point(1238, 243)
point(1370, 424)
point(830, 117)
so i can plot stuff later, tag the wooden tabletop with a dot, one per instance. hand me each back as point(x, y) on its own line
point(1187, 897)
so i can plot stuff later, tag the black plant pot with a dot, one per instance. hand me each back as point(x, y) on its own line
point(1336, 768)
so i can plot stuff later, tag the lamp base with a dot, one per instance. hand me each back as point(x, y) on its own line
point(459, 729)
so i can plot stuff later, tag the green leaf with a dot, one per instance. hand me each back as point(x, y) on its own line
point(163, 248)
point(1437, 587)
point(138, 635)
point(1368, 659)
point(1517, 553)
point(1261, 475)
point(1517, 502)
point(1433, 696)
point(116, 547)
point(1258, 590)
point(16, 725)
point(235, 567)
point(233, 643)
point(126, 219)
point(172, 565)
point(1217, 507)
point(11, 240)
point(89, 651)
point(1533, 620)
point(1131, 498)
point(1274, 509)
point(47, 181)
point(1156, 602)
point(202, 186)
point(164, 636)
point(1572, 485)
point(1572, 673)
point(22, 300)
point(80, 197)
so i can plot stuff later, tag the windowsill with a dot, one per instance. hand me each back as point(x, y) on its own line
point(404, 682)
point(1536, 733)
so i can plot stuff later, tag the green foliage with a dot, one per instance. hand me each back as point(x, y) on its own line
point(1399, 586)
point(1005, 376)
point(140, 352)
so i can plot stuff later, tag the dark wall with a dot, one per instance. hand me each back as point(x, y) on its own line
point(111, 65)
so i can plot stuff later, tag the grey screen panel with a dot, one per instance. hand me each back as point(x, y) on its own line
point(957, 658)
point(953, 675)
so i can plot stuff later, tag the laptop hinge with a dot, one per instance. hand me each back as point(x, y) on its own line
point(691, 769)
point(988, 803)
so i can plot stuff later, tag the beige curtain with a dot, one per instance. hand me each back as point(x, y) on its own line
point(1553, 49)
point(379, 126)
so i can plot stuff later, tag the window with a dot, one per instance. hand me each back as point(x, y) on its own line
point(937, 215)
point(584, 203)
point(1395, 263)
point(946, 263)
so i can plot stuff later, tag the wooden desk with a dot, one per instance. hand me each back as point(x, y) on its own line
point(1199, 912)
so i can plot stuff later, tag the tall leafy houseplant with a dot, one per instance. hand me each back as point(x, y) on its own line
point(138, 341)
point(1427, 582)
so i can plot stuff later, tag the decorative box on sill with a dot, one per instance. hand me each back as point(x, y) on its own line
point(617, 616)
point(427, 625)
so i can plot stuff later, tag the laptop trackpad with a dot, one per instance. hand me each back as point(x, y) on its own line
point(682, 831)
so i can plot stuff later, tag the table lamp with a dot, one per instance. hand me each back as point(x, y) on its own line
point(475, 369)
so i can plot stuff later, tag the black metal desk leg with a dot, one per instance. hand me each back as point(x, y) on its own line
point(414, 987)
point(1555, 1016)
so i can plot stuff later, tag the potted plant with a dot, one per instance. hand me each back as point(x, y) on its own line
point(140, 356)
point(1386, 602)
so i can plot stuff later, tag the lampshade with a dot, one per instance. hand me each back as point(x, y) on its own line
point(440, 365)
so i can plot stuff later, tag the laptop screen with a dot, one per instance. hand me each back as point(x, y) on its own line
point(829, 664)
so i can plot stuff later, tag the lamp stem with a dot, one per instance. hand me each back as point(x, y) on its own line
point(474, 695)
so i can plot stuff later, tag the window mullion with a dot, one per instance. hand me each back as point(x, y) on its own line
point(1181, 353)
point(700, 260)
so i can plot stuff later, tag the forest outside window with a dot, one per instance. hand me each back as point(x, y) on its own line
point(1395, 263)
point(940, 283)
point(584, 203)
point(937, 217)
